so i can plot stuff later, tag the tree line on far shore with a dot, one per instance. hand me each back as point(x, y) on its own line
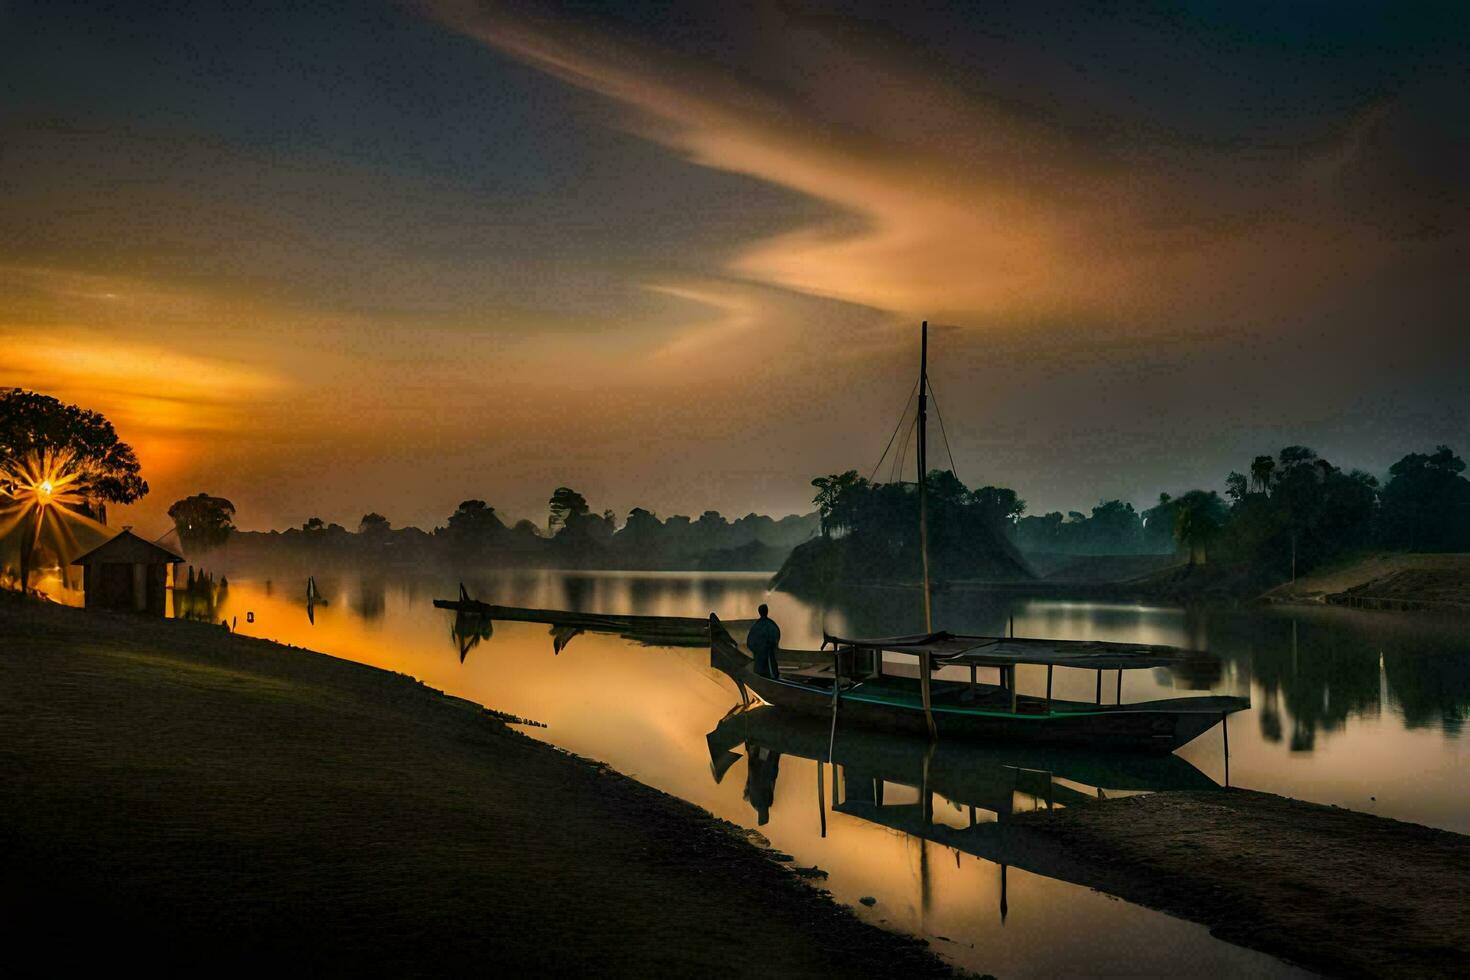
point(574, 536)
point(1290, 512)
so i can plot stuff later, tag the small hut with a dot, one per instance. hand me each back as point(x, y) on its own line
point(127, 573)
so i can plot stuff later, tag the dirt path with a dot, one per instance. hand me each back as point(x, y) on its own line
point(1340, 892)
point(176, 796)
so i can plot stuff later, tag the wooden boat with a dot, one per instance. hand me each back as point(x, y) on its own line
point(859, 685)
point(667, 631)
point(869, 697)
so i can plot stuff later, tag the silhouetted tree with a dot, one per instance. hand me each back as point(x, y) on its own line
point(1236, 487)
point(1261, 469)
point(1198, 517)
point(203, 521)
point(565, 503)
point(1426, 503)
point(107, 467)
point(473, 527)
point(374, 527)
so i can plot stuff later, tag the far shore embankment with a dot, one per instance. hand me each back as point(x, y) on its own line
point(1427, 582)
point(181, 797)
point(1392, 581)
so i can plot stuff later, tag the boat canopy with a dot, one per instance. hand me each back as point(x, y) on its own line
point(954, 649)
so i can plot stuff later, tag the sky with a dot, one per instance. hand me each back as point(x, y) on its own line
point(331, 258)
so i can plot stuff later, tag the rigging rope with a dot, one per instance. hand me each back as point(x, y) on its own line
point(901, 416)
point(942, 434)
point(896, 476)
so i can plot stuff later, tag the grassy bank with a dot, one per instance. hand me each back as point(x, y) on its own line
point(1344, 893)
point(1386, 581)
point(186, 798)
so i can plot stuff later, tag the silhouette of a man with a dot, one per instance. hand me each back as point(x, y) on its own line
point(764, 640)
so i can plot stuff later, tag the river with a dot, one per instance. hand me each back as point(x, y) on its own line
point(1361, 710)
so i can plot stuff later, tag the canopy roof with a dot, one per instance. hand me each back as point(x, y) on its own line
point(947, 649)
point(128, 549)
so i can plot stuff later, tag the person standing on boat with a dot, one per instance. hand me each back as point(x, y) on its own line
point(764, 640)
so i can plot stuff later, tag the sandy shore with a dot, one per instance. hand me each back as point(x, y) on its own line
point(177, 796)
point(1343, 893)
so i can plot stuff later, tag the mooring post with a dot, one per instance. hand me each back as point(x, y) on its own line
point(836, 696)
point(1120, 685)
point(924, 694)
point(1225, 732)
point(1048, 688)
point(1099, 686)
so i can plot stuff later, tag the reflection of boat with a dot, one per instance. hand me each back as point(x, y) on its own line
point(467, 630)
point(854, 685)
point(314, 598)
point(867, 768)
point(963, 772)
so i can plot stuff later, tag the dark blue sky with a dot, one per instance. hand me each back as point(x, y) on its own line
point(674, 255)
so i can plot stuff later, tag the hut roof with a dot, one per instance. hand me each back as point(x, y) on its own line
point(128, 548)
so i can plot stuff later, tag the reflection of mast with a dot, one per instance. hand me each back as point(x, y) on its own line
point(1004, 905)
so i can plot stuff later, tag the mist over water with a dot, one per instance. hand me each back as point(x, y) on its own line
point(1347, 707)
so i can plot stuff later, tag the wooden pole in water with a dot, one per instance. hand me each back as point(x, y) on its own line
point(1099, 686)
point(1048, 688)
point(1120, 685)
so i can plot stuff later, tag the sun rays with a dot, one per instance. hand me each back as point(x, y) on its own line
point(43, 501)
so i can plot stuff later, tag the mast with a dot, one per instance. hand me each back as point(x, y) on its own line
point(925, 663)
point(924, 469)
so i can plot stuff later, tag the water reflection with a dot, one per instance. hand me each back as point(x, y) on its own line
point(468, 631)
point(958, 796)
point(199, 597)
point(1374, 703)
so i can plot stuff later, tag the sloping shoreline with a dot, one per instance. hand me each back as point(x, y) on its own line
point(177, 795)
point(1341, 892)
point(1413, 582)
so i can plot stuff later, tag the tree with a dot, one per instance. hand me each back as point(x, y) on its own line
point(1198, 517)
point(473, 526)
point(374, 526)
point(1426, 503)
point(106, 467)
point(835, 499)
point(203, 521)
point(565, 503)
point(1261, 470)
point(1236, 487)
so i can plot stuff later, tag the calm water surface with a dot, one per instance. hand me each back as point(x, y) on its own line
point(1362, 710)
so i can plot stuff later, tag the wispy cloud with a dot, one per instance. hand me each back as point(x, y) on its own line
point(959, 207)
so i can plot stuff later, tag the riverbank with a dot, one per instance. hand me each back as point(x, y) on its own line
point(1386, 581)
point(1341, 892)
point(183, 797)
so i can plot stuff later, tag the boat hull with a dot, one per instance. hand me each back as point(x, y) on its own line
point(1156, 726)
